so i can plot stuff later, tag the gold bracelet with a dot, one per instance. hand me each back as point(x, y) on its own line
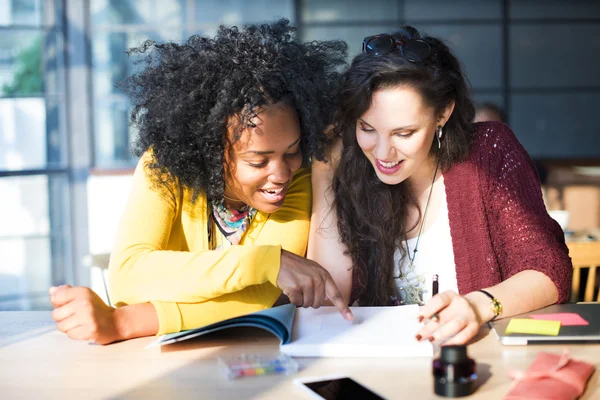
point(496, 305)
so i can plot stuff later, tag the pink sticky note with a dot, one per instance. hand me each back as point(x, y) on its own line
point(566, 319)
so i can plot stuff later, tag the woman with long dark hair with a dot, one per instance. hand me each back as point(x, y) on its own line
point(415, 196)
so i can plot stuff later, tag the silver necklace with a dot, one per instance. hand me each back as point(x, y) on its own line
point(411, 260)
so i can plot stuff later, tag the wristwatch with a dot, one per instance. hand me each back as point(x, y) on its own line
point(496, 305)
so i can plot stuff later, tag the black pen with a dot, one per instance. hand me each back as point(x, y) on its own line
point(435, 285)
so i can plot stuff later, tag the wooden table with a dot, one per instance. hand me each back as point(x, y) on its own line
point(37, 361)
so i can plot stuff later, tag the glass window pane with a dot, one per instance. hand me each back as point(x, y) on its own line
point(31, 135)
point(21, 62)
point(443, 10)
point(110, 62)
point(31, 63)
point(353, 35)
point(25, 273)
point(139, 12)
point(33, 239)
point(112, 135)
point(554, 9)
point(349, 10)
point(478, 48)
point(21, 12)
point(24, 206)
point(558, 125)
point(22, 134)
point(112, 141)
point(551, 56)
point(231, 12)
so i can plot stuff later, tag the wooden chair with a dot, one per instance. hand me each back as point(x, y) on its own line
point(584, 255)
point(99, 261)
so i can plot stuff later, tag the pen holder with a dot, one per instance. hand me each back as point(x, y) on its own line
point(454, 372)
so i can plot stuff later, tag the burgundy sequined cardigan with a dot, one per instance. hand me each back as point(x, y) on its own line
point(498, 220)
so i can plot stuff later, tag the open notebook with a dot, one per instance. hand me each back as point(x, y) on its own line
point(374, 332)
point(306, 332)
point(277, 320)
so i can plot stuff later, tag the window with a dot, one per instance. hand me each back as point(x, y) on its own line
point(553, 82)
point(536, 59)
point(117, 25)
point(33, 174)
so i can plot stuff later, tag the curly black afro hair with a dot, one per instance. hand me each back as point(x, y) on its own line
point(186, 94)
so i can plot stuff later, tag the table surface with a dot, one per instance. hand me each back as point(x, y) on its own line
point(38, 361)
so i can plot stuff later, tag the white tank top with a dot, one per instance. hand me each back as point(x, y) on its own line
point(434, 256)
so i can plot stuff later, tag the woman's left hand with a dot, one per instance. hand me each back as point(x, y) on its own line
point(449, 318)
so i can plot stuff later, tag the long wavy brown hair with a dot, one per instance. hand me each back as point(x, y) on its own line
point(371, 214)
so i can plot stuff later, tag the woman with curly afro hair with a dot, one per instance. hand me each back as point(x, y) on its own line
point(217, 221)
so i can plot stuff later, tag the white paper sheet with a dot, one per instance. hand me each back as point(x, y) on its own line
point(375, 332)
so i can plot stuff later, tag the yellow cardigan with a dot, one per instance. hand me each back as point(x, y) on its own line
point(161, 254)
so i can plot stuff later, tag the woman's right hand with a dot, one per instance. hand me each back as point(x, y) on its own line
point(82, 315)
point(307, 284)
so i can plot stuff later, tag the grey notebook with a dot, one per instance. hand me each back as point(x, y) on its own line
point(572, 334)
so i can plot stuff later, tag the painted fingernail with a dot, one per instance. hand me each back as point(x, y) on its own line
point(420, 318)
point(418, 337)
point(431, 339)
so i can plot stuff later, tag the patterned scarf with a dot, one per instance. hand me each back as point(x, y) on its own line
point(232, 223)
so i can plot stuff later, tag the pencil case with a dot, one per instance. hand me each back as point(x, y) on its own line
point(551, 377)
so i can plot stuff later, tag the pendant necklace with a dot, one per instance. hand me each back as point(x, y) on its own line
point(411, 260)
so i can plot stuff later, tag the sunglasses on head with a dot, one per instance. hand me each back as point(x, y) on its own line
point(413, 50)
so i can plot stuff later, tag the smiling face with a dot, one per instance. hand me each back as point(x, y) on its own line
point(264, 159)
point(396, 134)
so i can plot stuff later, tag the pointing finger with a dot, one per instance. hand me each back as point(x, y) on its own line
point(336, 298)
